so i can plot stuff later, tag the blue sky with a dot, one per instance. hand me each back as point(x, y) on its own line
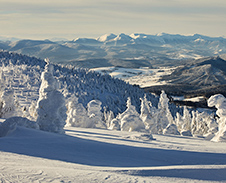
point(70, 19)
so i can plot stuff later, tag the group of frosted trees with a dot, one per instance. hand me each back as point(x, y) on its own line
point(157, 120)
point(94, 101)
point(86, 85)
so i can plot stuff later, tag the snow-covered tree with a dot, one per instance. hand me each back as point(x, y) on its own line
point(115, 124)
point(108, 117)
point(201, 123)
point(95, 114)
point(77, 114)
point(51, 110)
point(32, 111)
point(219, 101)
point(9, 107)
point(186, 119)
point(130, 120)
point(144, 108)
point(148, 115)
point(179, 122)
point(186, 123)
point(164, 116)
point(194, 122)
point(212, 127)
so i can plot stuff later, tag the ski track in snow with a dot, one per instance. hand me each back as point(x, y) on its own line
point(94, 155)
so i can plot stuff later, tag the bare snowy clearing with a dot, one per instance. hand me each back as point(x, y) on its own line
point(144, 77)
point(94, 155)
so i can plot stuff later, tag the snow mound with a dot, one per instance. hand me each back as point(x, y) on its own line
point(10, 124)
point(186, 133)
point(142, 137)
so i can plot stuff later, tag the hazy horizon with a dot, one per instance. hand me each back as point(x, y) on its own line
point(87, 18)
point(4, 38)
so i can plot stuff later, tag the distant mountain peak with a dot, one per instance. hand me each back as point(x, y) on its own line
point(106, 37)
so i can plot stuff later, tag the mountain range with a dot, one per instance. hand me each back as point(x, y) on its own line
point(135, 50)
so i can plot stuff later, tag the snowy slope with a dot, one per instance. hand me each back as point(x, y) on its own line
point(91, 155)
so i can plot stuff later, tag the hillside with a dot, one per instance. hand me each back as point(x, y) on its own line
point(203, 76)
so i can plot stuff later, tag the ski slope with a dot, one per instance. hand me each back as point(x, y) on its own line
point(94, 155)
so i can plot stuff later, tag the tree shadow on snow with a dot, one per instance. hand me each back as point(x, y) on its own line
point(89, 152)
point(198, 174)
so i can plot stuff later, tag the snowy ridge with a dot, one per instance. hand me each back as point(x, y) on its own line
point(119, 50)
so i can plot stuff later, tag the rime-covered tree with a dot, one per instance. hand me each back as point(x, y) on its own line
point(9, 107)
point(186, 119)
point(115, 124)
point(95, 115)
point(51, 110)
point(164, 115)
point(77, 114)
point(148, 115)
point(130, 120)
point(179, 122)
point(219, 101)
point(108, 117)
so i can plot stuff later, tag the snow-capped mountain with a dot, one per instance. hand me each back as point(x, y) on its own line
point(106, 37)
point(115, 50)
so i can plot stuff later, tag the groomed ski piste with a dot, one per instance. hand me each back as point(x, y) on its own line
point(95, 155)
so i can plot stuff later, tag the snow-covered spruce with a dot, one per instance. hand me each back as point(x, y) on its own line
point(78, 116)
point(95, 115)
point(219, 101)
point(51, 110)
point(148, 115)
point(9, 107)
point(130, 120)
point(164, 116)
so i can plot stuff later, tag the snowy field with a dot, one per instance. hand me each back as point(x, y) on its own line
point(94, 155)
point(144, 77)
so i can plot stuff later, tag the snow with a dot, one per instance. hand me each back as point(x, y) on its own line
point(106, 37)
point(95, 155)
point(10, 124)
point(195, 99)
point(144, 77)
point(219, 101)
point(134, 153)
